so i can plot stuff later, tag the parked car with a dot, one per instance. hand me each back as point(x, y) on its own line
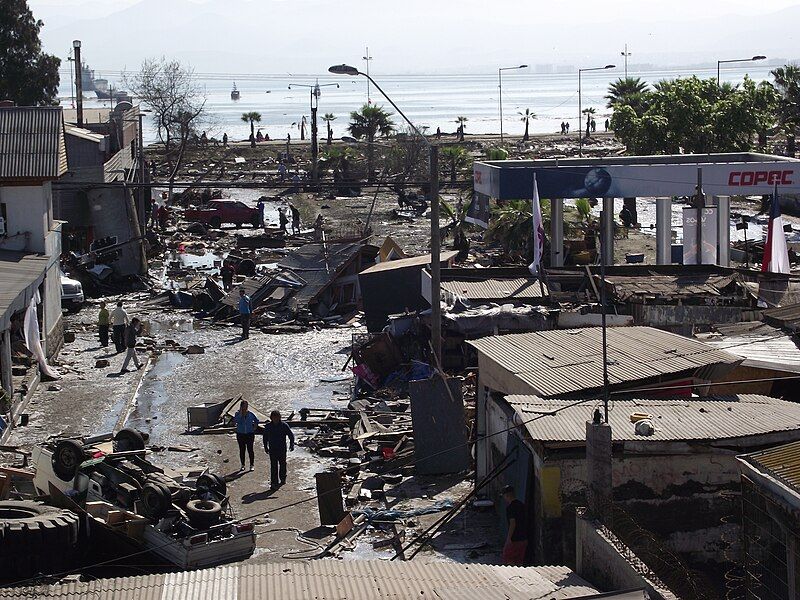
point(218, 212)
point(185, 519)
point(71, 292)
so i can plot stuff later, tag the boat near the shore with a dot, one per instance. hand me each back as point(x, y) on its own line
point(234, 92)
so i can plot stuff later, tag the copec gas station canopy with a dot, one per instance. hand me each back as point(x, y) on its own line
point(660, 177)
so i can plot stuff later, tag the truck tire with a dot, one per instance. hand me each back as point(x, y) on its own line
point(128, 439)
point(203, 513)
point(213, 483)
point(215, 222)
point(156, 500)
point(35, 538)
point(67, 457)
point(246, 267)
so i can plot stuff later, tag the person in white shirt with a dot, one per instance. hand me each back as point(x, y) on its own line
point(119, 319)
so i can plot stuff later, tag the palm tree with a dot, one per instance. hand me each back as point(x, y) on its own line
point(589, 112)
point(624, 89)
point(329, 118)
point(461, 124)
point(252, 118)
point(457, 157)
point(369, 122)
point(787, 83)
point(526, 117)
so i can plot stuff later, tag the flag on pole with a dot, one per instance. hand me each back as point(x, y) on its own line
point(776, 254)
point(538, 231)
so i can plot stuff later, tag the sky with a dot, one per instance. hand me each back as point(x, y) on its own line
point(415, 36)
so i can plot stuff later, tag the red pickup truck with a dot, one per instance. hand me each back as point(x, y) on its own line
point(218, 212)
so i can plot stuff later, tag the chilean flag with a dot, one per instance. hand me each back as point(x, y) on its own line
point(538, 231)
point(776, 255)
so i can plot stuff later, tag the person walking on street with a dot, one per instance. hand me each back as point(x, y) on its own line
point(227, 272)
point(131, 331)
point(245, 310)
point(119, 319)
point(517, 538)
point(275, 434)
point(102, 324)
point(246, 423)
point(608, 124)
point(295, 219)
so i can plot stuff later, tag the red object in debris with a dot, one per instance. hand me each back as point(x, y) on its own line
point(387, 452)
point(98, 454)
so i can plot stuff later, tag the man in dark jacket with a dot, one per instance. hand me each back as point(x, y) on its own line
point(275, 434)
point(131, 331)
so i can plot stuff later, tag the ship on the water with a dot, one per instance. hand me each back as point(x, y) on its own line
point(234, 92)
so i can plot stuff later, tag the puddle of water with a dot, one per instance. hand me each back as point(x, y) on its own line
point(162, 325)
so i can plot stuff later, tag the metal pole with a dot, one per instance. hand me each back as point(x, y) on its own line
point(606, 392)
point(718, 63)
point(142, 197)
point(76, 45)
point(71, 83)
point(436, 306)
point(700, 206)
point(626, 60)
point(314, 146)
point(580, 124)
point(368, 58)
point(500, 82)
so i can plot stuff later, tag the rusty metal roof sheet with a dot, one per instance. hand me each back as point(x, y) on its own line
point(782, 462)
point(670, 286)
point(327, 580)
point(32, 143)
point(496, 289)
point(714, 418)
point(563, 361)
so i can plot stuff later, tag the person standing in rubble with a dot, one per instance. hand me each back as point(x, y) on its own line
point(228, 272)
point(246, 423)
point(119, 319)
point(102, 324)
point(261, 205)
point(517, 537)
point(131, 331)
point(275, 434)
point(295, 219)
point(283, 220)
point(245, 311)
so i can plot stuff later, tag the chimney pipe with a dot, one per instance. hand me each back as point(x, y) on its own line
point(76, 45)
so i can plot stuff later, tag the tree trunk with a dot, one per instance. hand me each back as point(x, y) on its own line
point(252, 134)
point(525, 137)
point(370, 155)
point(330, 134)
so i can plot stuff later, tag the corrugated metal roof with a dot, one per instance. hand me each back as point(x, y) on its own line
point(319, 265)
point(414, 261)
point(695, 284)
point(20, 275)
point(759, 343)
point(85, 134)
point(782, 462)
point(563, 361)
point(328, 580)
point(32, 143)
point(116, 167)
point(496, 289)
point(787, 317)
point(715, 418)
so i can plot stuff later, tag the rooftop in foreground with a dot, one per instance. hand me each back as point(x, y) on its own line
point(714, 418)
point(331, 580)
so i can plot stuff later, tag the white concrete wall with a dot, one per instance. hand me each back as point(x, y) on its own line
point(28, 210)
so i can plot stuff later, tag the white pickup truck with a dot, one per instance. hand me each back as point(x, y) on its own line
point(185, 521)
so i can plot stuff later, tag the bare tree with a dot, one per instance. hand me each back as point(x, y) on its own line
point(178, 104)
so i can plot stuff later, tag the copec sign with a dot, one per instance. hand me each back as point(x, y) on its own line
point(632, 180)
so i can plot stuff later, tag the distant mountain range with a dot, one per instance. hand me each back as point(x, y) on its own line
point(412, 36)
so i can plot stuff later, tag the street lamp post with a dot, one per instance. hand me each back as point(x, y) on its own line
point(367, 58)
point(736, 60)
point(580, 107)
point(433, 166)
point(316, 92)
point(625, 54)
point(500, 87)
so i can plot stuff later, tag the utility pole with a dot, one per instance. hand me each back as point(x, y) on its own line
point(626, 54)
point(367, 58)
point(700, 206)
point(76, 45)
point(436, 275)
point(71, 82)
point(316, 92)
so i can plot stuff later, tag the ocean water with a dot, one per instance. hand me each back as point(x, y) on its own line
point(427, 100)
